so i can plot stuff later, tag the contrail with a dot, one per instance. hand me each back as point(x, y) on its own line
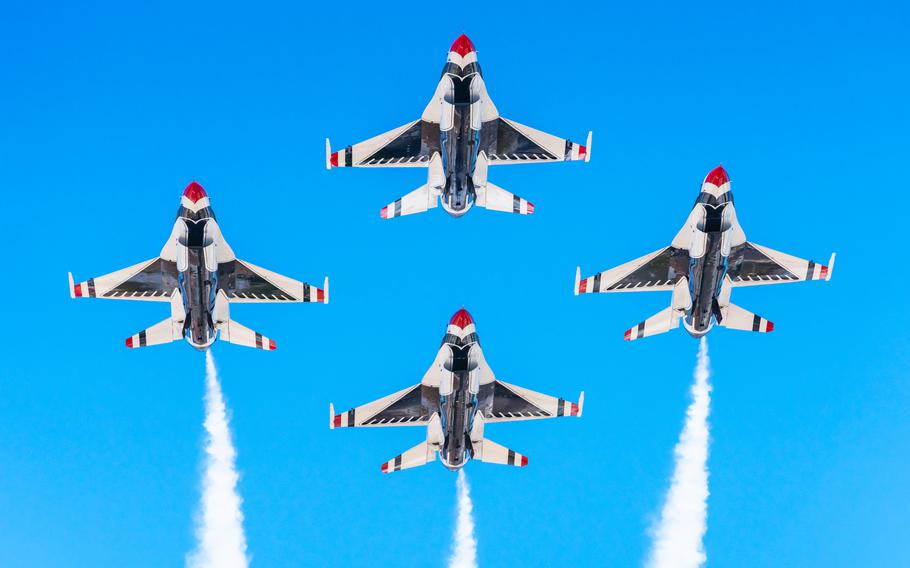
point(220, 540)
point(464, 547)
point(683, 520)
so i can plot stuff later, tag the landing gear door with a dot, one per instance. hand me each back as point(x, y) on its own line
point(182, 253)
point(698, 243)
point(726, 239)
point(208, 247)
point(447, 107)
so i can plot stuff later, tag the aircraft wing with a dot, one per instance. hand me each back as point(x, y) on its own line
point(660, 270)
point(408, 146)
point(412, 406)
point(246, 282)
point(505, 403)
point(507, 142)
point(153, 280)
point(754, 265)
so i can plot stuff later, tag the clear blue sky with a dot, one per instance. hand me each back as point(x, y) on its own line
point(108, 109)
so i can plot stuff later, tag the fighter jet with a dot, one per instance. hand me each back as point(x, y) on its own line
point(457, 397)
point(459, 135)
point(198, 274)
point(707, 259)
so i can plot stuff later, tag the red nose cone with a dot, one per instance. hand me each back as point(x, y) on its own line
point(718, 176)
point(461, 319)
point(194, 192)
point(462, 45)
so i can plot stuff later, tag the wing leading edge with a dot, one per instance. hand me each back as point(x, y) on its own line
point(659, 270)
point(508, 142)
point(244, 282)
point(505, 402)
point(412, 406)
point(408, 146)
point(755, 265)
point(153, 280)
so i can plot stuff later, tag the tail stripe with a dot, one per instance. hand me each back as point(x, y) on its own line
point(596, 287)
point(640, 331)
point(511, 458)
point(756, 322)
point(516, 204)
point(91, 287)
point(351, 417)
point(142, 338)
point(561, 407)
point(397, 464)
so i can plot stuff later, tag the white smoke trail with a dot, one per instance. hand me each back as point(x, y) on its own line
point(220, 540)
point(683, 520)
point(464, 547)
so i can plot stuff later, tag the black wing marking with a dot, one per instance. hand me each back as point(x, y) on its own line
point(240, 281)
point(416, 405)
point(748, 263)
point(664, 269)
point(416, 144)
point(498, 401)
point(501, 141)
point(158, 279)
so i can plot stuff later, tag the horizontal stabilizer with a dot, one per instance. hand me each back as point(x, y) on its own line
point(418, 201)
point(164, 331)
point(661, 322)
point(734, 317)
point(238, 334)
point(417, 456)
point(495, 198)
point(489, 451)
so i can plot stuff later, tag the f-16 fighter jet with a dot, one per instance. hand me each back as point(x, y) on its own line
point(457, 398)
point(198, 274)
point(707, 259)
point(458, 136)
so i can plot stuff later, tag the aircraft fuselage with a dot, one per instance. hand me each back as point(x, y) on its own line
point(457, 409)
point(196, 282)
point(460, 136)
point(706, 275)
point(708, 262)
